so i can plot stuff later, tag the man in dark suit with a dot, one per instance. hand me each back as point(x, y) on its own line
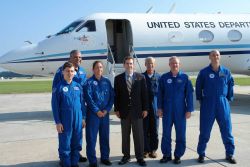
point(131, 107)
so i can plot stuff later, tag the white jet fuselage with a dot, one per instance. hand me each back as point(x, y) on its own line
point(112, 36)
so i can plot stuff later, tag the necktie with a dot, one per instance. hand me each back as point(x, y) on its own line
point(129, 83)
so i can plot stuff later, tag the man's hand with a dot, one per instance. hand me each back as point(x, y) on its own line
point(144, 114)
point(160, 113)
point(100, 114)
point(117, 113)
point(104, 112)
point(83, 123)
point(59, 128)
point(188, 115)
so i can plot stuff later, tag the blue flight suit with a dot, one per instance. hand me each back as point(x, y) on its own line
point(79, 77)
point(214, 90)
point(175, 98)
point(99, 97)
point(151, 122)
point(69, 109)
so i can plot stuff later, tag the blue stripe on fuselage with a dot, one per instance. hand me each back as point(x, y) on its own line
point(52, 57)
point(156, 55)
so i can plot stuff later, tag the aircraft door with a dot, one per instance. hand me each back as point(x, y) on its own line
point(120, 40)
point(43, 68)
point(47, 67)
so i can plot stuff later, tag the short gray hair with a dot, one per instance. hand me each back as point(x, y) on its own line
point(173, 57)
point(149, 58)
point(73, 52)
point(214, 51)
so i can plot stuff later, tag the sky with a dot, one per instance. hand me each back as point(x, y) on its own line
point(33, 20)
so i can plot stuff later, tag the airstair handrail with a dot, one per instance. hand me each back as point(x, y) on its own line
point(135, 56)
point(112, 56)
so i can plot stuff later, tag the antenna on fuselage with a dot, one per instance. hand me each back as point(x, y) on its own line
point(172, 8)
point(28, 42)
point(150, 10)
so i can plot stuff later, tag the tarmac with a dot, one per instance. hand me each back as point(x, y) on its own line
point(28, 136)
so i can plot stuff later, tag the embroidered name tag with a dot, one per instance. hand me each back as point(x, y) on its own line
point(76, 88)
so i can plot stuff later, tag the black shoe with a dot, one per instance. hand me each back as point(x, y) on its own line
point(152, 154)
point(141, 162)
point(231, 159)
point(106, 162)
point(201, 159)
point(124, 160)
point(82, 159)
point(145, 154)
point(75, 166)
point(60, 163)
point(177, 160)
point(93, 165)
point(165, 159)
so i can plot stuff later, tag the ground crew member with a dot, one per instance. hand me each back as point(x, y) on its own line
point(100, 99)
point(214, 90)
point(79, 77)
point(69, 114)
point(151, 122)
point(175, 103)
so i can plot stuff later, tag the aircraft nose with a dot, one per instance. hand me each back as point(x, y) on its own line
point(3, 60)
point(9, 60)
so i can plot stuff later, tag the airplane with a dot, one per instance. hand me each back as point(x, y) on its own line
point(110, 37)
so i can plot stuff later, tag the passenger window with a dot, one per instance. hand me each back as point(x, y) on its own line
point(206, 36)
point(234, 35)
point(89, 25)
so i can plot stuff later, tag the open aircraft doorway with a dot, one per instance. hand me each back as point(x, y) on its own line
point(120, 39)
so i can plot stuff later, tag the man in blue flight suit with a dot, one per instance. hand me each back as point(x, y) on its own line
point(69, 114)
point(79, 74)
point(151, 122)
point(175, 104)
point(214, 90)
point(100, 99)
point(79, 77)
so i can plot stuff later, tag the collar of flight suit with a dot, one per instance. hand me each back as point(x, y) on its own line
point(178, 74)
point(211, 68)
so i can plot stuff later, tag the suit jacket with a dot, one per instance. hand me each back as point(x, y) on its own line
point(139, 96)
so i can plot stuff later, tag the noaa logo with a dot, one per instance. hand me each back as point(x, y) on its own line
point(169, 81)
point(211, 75)
point(65, 89)
point(95, 83)
point(81, 72)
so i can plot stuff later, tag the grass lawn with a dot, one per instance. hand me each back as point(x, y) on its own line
point(12, 87)
point(244, 81)
point(8, 87)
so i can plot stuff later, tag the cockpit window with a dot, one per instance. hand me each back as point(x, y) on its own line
point(90, 25)
point(70, 27)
